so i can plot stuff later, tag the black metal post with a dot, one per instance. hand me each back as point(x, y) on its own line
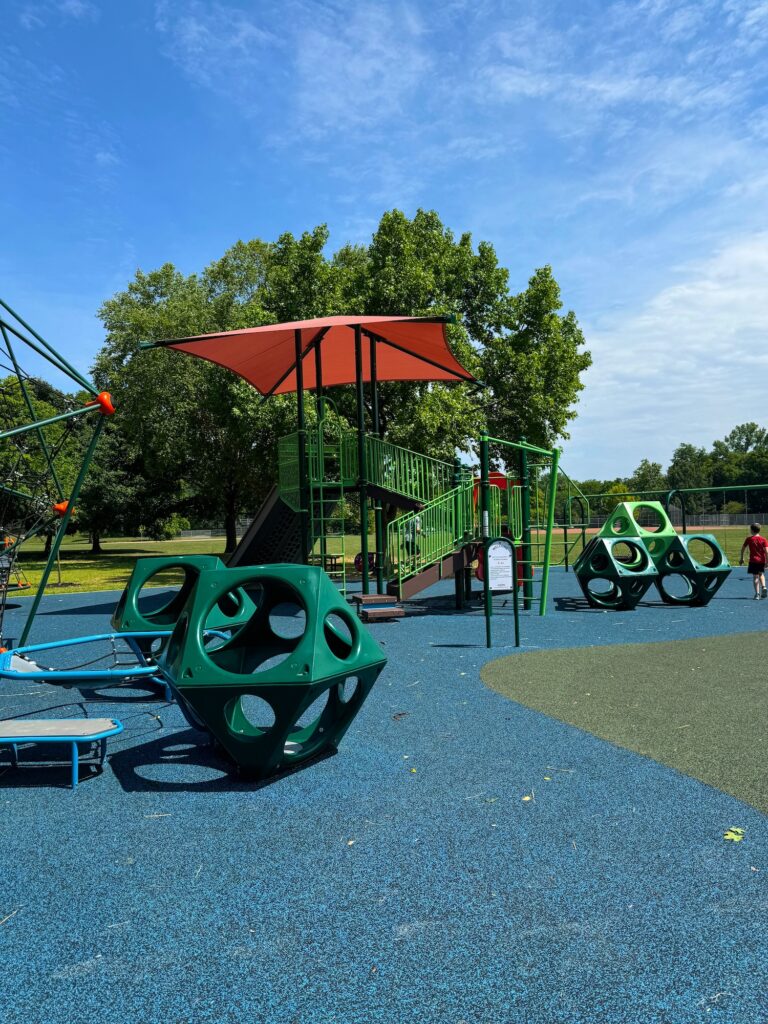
point(320, 450)
point(378, 511)
point(302, 434)
point(362, 469)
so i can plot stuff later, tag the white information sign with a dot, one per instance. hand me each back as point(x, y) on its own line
point(500, 555)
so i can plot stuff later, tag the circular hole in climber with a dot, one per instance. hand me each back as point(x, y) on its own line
point(648, 518)
point(338, 628)
point(676, 587)
point(288, 620)
point(163, 594)
point(599, 562)
point(249, 715)
point(675, 559)
point(348, 688)
point(602, 589)
point(704, 552)
point(307, 730)
point(620, 524)
point(631, 556)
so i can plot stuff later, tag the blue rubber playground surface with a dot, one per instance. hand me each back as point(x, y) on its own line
point(461, 860)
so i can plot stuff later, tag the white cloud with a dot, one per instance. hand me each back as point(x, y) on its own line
point(32, 16)
point(216, 45)
point(361, 68)
point(37, 15)
point(78, 9)
point(688, 366)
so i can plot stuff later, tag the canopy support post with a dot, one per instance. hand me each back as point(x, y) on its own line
point(320, 402)
point(378, 512)
point(362, 468)
point(302, 432)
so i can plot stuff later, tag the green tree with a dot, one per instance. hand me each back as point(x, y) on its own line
point(198, 435)
point(201, 439)
point(747, 437)
point(533, 365)
point(616, 493)
point(649, 476)
point(691, 467)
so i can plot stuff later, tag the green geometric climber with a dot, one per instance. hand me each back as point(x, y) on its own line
point(644, 519)
point(144, 607)
point(644, 526)
point(615, 572)
point(701, 579)
point(284, 685)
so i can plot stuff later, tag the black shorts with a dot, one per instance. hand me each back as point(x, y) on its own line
point(756, 568)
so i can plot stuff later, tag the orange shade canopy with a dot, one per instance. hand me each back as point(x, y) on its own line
point(407, 348)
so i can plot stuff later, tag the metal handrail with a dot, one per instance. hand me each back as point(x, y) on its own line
point(410, 474)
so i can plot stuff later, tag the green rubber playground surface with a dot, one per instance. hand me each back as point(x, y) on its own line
point(699, 706)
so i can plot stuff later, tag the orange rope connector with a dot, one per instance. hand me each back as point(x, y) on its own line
point(61, 507)
point(104, 402)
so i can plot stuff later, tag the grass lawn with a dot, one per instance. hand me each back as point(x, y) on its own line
point(80, 570)
point(83, 571)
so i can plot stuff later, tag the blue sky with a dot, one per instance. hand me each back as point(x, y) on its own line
point(624, 143)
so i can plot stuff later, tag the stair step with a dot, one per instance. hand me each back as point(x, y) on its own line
point(381, 614)
point(373, 599)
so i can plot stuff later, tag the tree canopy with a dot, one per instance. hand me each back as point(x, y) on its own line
point(200, 440)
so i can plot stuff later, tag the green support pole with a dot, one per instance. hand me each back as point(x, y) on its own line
point(525, 501)
point(362, 479)
point(62, 530)
point(72, 414)
point(378, 512)
point(515, 595)
point(32, 413)
point(319, 396)
point(550, 528)
point(565, 545)
point(53, 356)
point(485, 517)
point(302, 432)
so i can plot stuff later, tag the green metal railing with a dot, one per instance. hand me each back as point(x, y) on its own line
point(407, 473)
point(403, 472)
point(417, 540)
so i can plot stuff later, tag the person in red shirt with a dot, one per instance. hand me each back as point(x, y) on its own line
point(758, 553)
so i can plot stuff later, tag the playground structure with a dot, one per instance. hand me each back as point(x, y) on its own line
point(444, 516)
point(37, 496)
point(638, 546)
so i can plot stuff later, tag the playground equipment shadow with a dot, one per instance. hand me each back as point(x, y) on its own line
point(462, 858)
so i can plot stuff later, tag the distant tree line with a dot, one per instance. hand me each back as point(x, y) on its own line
point(739, 461)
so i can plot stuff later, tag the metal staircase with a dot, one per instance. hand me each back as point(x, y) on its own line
point(432, 539)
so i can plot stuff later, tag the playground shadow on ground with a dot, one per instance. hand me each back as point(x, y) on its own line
point(105, 608)
point(185, 762)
